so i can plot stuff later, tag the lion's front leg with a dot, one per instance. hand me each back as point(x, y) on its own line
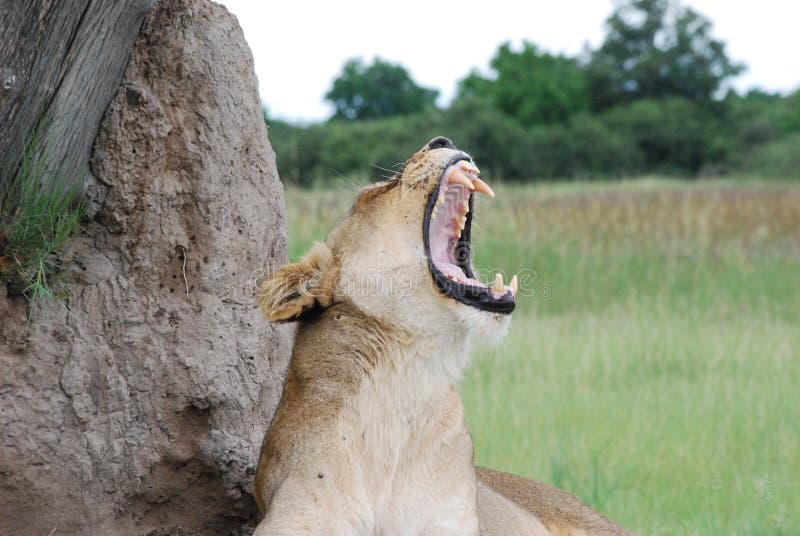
point(311, 505)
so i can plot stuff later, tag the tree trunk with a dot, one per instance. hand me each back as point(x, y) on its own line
point(60, 64)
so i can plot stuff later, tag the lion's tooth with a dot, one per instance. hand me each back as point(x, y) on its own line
point(465, 206)
point(469, 167)
point(456, 177)
point(433, 214)
point(498, 283)
point(482, 187)
point(440, 199)
point(513, 286)
point(466, 167)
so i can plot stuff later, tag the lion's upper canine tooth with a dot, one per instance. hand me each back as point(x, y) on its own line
point(498, 283)
point(482, 187)
point(456, 177)
point(513, 286)
point(469, 167)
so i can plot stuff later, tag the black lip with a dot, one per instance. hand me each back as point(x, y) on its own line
point(478, 297)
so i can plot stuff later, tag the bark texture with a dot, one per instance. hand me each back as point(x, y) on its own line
point(140, 400)
point(60, 64)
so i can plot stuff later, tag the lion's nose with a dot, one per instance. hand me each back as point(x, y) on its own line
point(441, 142)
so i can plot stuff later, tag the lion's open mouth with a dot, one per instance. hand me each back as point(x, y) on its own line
point(446, 233)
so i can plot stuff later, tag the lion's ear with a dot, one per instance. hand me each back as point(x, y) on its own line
point(296, 289)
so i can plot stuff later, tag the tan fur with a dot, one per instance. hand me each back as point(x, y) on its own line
point(297, 288)
point(369, 437)
point(562, 513)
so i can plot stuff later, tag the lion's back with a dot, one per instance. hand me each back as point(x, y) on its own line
point(561, 512)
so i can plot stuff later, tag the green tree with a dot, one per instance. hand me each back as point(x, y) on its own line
point(532, 86)
point(657, 49)
point(381, 89)
point(674, 135)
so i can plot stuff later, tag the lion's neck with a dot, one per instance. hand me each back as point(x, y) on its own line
point(379, 401)
point(344, 351)
point(403, 411)
point(416, 377)
point(374, 374)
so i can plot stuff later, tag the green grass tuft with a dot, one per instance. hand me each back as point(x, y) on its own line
point(40, 208)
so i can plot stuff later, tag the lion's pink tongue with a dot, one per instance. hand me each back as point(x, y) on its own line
point(457, 274)
point(448, 220)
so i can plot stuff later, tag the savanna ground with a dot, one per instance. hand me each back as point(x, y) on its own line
point(653, 367)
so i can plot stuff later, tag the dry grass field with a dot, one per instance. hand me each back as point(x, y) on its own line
point(653, 363)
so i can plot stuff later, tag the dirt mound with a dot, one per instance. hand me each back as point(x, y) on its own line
point(139, 401)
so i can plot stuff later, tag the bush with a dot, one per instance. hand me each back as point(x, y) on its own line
point(584, 148)
point(669, 136)
point(365, 149)
point(502, 147)
point(763, 132)
point(373, 149)
point(776, 159)
point(674, 135)
point(499, 145)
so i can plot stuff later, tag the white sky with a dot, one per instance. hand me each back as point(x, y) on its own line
point(299, 46)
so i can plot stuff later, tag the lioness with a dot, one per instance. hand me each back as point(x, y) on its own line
point(369, 437)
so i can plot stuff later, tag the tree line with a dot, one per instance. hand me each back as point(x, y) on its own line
point(652, 98)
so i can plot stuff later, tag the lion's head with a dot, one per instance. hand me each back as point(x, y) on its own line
point(402, 255)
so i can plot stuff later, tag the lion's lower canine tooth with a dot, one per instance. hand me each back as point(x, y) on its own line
point(513, 285)
point(498, 283)
point(482, 187)
point(456, 177)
